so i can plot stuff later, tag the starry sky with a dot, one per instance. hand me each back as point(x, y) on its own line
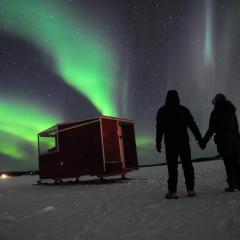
point(69, 60)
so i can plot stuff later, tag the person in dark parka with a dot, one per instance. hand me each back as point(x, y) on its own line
point(223, 123)
point(173, 120)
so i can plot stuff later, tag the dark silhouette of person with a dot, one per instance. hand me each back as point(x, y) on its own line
point(173, 120)
point(224, 124)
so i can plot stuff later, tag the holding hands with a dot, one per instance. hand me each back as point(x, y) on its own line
point(202, 144)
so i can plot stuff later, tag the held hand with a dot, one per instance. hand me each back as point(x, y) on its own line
point(202, 144)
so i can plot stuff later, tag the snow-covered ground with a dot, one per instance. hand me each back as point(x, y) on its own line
point(132, 209)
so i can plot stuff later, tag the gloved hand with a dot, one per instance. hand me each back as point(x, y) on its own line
point(158, 147)
point(202, 144)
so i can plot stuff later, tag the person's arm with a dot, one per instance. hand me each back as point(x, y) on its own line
point(194, 129)
point(211, 129)
point(193, 126)
point(159, 130)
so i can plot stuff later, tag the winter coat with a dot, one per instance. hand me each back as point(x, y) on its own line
point(173, 120)
point(223, 122)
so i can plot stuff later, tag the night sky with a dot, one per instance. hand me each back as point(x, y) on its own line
point(69, 60)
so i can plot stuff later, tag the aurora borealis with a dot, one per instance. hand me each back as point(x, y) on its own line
point(78, 57)
point(66, 60)
point(208, 48)
point(21, 122)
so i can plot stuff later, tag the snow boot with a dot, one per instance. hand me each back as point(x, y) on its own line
point(192, 193)
point(232, 189)
point(171, 195)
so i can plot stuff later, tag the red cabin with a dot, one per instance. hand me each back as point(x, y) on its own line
point(103, 146)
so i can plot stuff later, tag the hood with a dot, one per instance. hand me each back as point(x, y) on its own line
point(172, 98)
point(219, 98)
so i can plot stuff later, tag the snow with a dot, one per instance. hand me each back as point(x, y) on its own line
point(129, 209)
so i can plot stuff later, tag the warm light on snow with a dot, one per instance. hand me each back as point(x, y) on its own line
point(4, 176)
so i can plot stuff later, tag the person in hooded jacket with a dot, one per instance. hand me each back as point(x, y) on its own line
point(224, 124)
point(173, 120)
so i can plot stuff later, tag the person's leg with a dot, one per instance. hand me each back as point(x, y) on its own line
point(237, 168)
point(233, 168)
point(185, 156)
point(172, 163)
point(228, 159)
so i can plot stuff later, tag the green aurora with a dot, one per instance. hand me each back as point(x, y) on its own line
point(81, 57)
point(71, 50)
point(208, 47)
point(145, 141)
point(9, 146)
point(21, 122)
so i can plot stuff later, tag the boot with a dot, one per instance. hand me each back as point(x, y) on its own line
point(231, 189)
point(192, 193)
point(171, 195)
